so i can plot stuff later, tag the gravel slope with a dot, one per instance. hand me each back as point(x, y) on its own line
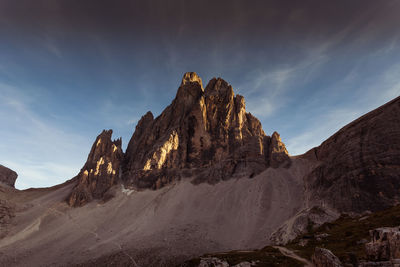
point(151, 227)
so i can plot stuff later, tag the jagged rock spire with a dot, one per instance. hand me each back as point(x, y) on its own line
point(100, 172)
point(191, 77)
point(278, 153)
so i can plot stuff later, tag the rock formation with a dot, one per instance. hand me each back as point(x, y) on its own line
point(100, 172)
point(204, 133)
point(325, 258)
point(385, 244)
point(278, 153)
point(298, 224)
point(213, 261)
point(360, 165)
point(7, 176)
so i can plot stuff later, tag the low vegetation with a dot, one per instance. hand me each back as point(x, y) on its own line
point(267, 256)
point(345, 237)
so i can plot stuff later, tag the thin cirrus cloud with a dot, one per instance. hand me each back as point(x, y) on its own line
point(41, 153)
point(71, 69)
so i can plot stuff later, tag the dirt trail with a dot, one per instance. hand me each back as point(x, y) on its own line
point(291, 254)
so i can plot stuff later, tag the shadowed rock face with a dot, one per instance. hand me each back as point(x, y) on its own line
point(7, 176)
point(101, 171)
point(203, 133)
point(360, 165)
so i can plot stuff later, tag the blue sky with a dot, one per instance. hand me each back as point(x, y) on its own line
point(69, 70)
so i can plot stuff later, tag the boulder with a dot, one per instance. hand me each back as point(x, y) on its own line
point(325, 258)
point(385, 244)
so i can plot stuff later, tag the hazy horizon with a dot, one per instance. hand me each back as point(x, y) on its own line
point(69, 69)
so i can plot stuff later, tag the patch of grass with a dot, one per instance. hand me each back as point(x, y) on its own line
point(190, 263)
point(345, 234)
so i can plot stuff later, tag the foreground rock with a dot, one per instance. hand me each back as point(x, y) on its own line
point(385, 244)
point(325, 258)
point(298, 224)
point(7, 176)
point(215, 262)
point(360, 165)
point(100, 172)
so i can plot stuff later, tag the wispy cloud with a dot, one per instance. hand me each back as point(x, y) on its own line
point(50, 44)
point(373, 92)
point(322, 127)
point(270, 90)
point(39, 152)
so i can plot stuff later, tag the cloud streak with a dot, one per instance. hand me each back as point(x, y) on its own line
point(42, 154)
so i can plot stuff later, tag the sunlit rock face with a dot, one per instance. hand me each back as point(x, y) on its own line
point(360, 165)
point(7, 176)
point(205, 133)
point(101, 171)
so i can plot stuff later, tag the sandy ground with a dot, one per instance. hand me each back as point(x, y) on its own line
point(178, 221)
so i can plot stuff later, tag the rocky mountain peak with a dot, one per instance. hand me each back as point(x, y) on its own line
point(204, 132)
point(100, 172)
point(189, 94)
point(190, 78)
point(219, 87)
point(205, 135)
point(279, 154)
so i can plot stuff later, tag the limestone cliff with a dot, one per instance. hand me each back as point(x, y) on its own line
point(101, 171)
point(360, 165)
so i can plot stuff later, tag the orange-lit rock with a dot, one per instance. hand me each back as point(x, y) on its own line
point(101, 171)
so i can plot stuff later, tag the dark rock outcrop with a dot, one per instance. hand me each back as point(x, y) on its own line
point(325, 258)
point(385, 244)
point(360, 165)
point(204, 133)
point(7, 213)
point(299, 223)
point(100, 172)
point(7, 176)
